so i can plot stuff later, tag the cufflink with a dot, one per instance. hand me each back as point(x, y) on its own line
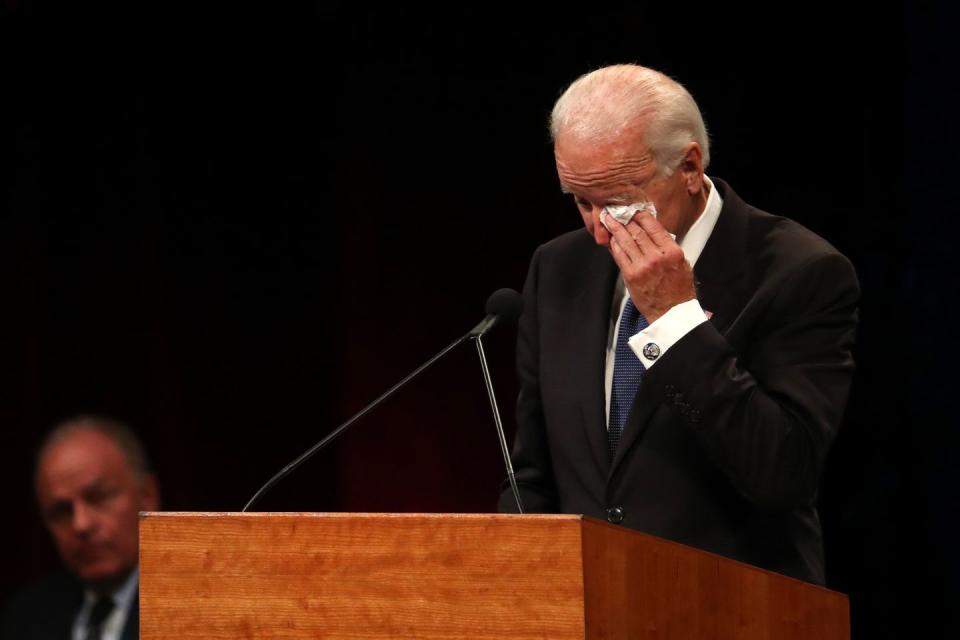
point(651, 351)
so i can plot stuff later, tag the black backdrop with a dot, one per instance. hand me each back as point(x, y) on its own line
point(233, 227)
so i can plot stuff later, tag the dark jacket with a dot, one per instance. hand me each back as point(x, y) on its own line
point(725, 444)
point(46, 609)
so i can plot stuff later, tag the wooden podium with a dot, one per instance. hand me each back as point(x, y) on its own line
point(315, 575)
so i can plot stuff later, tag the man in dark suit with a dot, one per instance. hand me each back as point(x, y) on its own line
point(685, 372)
point(92, 479)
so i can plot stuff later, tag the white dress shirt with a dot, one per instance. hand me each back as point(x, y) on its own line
point(679, 320)
point(123, 598)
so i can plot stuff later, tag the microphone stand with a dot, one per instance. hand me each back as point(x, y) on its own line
point(496, 418)
point(503, 304)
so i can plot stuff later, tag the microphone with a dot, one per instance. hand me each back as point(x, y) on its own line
point(503, 306)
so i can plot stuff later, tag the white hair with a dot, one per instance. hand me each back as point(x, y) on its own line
point(601, 105)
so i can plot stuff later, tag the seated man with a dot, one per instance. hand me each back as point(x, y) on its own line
point(92, 479)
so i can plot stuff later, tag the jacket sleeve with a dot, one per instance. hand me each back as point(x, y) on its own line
point(767, 415)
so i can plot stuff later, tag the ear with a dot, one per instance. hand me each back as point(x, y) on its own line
point(691, 168)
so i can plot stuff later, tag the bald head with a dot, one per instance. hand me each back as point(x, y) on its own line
point(629, 104)
point(90, 489)
point(119, 433)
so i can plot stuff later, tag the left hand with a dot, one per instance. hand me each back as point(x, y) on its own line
point(655, 271)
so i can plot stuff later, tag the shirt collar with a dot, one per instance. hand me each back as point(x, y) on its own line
point(123, 594)
point(699, 232)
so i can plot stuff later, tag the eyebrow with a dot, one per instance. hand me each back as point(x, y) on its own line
point(621, 199)
point(95, 483)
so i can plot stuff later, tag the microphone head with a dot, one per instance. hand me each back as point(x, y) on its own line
point(506, 304)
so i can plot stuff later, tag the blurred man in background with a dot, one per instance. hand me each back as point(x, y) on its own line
point(92, 479)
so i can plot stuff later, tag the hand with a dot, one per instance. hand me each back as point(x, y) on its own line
point(655, 271)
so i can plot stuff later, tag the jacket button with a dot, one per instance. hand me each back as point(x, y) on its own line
point(615, 515)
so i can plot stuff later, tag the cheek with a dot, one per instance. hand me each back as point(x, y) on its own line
point(120, 520)
point(587, 217)
point(127, 515)
point(66, 542)
point(673, 190)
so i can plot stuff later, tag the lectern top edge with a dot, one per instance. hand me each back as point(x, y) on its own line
point(353, 515)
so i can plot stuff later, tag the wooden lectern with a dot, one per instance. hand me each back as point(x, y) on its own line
point(316, 575)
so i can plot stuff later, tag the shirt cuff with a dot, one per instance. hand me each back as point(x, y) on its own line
point(654, 341)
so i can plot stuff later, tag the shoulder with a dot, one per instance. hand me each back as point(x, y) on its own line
point(572, 255)
point(44, 601)
point(59, 586)
point(569, 266)
point(776, 246)
point(566, 246)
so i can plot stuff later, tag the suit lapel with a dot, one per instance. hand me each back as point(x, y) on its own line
point(61, 616)
point(644, 404)
point(131, 630)
point(719, 290)
point(593, 307)
point(720, 268)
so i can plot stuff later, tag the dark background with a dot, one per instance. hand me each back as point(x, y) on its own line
point(234, 226)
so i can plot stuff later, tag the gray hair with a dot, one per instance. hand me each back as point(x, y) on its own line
point(601, 105)
point(119, 433)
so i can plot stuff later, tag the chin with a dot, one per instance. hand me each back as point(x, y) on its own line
point(107, 574)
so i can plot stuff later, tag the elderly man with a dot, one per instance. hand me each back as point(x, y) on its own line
point(683, 371)
point(92, 479)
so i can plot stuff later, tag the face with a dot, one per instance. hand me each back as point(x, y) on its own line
point(624, 173)
point(89, 497)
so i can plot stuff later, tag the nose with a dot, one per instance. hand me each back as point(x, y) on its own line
point(600, 234)
point(84, 518)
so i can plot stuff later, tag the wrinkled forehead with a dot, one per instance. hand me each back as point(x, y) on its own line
point(614, 169)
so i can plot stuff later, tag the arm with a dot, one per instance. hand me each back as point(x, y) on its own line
point(767, 411)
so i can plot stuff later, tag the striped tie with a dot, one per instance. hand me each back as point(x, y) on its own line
point(627, 373)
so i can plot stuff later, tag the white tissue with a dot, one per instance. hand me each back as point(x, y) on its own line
point(623, 213)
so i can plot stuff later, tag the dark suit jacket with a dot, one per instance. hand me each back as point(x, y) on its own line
point(728, 433)
point(45, 610)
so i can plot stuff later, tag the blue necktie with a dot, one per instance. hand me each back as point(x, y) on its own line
point(627, 373)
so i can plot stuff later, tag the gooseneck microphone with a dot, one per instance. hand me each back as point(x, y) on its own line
point(503, 307)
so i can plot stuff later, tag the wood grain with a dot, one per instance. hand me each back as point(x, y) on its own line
point(360, 576)
point(642, 587)
point(308, 575)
